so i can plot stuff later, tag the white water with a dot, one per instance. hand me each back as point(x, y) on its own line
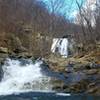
point(60, 45)
point(18, 78)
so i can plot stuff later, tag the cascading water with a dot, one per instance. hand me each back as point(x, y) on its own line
point(20, 77)
point(60, 45)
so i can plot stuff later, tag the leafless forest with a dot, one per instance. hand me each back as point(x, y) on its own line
point(29, 24)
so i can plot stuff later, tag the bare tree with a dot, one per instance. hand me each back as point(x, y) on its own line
point(87, 21)
point(55, 7)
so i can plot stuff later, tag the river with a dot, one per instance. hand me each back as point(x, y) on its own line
point(47, 96)
point(24, 80)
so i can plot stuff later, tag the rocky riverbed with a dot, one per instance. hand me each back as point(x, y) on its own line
point(82, 74)
point(70, 75)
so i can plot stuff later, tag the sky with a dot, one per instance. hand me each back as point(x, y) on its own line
point(72, 8)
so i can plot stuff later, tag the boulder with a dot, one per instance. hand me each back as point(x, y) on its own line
point(3, 56)
point(57, 85)
point(20, 50)
point(3, 50)
point(68, 70)
point(91, 85)
point(79, 87)
point(91, 71)
point(92, 90)
point(79, 66)
point(24, 55)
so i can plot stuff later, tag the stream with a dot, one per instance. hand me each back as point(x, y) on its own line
point(24, 80)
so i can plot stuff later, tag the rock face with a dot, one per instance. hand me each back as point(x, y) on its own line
point(86, 65)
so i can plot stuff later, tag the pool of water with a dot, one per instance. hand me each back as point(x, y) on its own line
point(48, 96)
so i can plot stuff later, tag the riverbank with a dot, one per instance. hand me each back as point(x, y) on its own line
point(84, 72)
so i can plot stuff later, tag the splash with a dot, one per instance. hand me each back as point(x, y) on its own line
point(20, 77)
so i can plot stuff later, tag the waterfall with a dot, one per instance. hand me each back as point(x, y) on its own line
point(60, 45)
point(19, 77)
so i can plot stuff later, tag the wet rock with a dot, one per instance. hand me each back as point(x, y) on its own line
point(20, 50)
point(91, 71)
point(66, 88)
point(70, 64)
point(65, 75)
point(68, 70)
point(57, 85)
point(91, 85)
point(12, 55)
point(1, 72)
point(3, 56)
point(3, 50)
point(57, 88)
point(24, 62)
point(94, 65)
point(59, 69)
point(27, 86)
point(92, 90)
point(82, 66)
point(79, 87)
point(54, 64)
point(23, 55)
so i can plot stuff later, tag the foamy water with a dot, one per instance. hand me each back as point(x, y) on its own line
point(60, 45)
point(23, 78)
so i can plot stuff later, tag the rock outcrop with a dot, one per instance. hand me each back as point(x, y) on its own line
point(86, 68)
